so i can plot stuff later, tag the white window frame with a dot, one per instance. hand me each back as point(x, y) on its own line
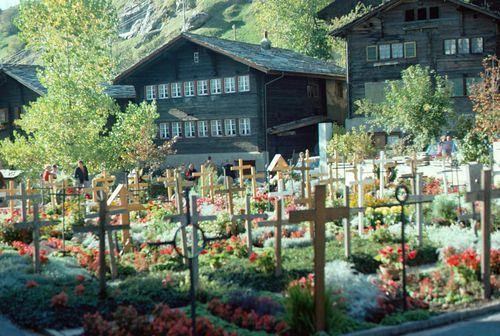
point(405, 49)
point(467, 44)
point(202, 87)
point(244, 83)
point(189, 89)
point(163, 91)
point(216, 86)
point(176, 90)
point(150, 92)
point(196, 57)
point(190, 129)
point(371, 47)
point(245, 126)
point(229, 84)
point(230, 127)
point(401, 49)
point(472, 44)
point(386, 48)
point(216, 128)
point(202, 129)
point(177, 129)
point(164, 130)
point(450, 46)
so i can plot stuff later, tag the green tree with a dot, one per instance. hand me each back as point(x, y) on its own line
point(73, 120)
point(293, 25)
point(353, 145)
point(418, 105)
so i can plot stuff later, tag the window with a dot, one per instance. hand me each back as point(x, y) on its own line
point(384, 51)
point(4, 115)
point(176, 90)
point(371, 53)
point(463, 46)
point(190, 129)
point(176, 129)
point(409, 15)
point(164, 131)
point(422, 13)
point(216, 126)
point(392, 139)
point(433, 13)
point(245, 126)
point(476, 45)
point(397, 50)
point(339, 87)
point(410, 49)
point(450, 47)
point(230, 127)
point(189, 89)
point(150, 92)
point(202, 129)
point(375, 91)
point(470, 82)
point(163, 91)
point(244, 83)
point(196, 57)
point(229, 85)
point(203, 88)
point(215, 86)
point(457, 87)
point(312, 90)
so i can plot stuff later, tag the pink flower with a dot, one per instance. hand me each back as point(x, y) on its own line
point(80, 278)
point(59, 300)
point(79, 290)
point(412, 254)
point(253, 257)
point(31, 284)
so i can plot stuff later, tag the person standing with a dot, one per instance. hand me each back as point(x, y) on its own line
point(189, 173)
point(55, 171)
point(81, 175)
point(46, 174)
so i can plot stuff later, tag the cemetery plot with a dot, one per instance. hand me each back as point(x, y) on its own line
point(244, 260)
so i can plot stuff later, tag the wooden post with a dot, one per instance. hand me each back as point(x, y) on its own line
point(346, 223)
point(253, 177)
point(485, 232)
point(241, 174)
point(102, 248)
point(445, 178)
point(229, 191)
point(11, 191)
point(319, 215)
point(381, 173)
point(277, 236)
point(419, 213)
point(361, 199)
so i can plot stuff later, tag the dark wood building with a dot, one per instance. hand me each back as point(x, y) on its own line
point(449, 36)
point(232, 100)
point(19, 85)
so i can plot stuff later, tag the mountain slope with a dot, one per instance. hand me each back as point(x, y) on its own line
point(147, 24)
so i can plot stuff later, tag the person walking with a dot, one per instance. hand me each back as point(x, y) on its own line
point(81, 175)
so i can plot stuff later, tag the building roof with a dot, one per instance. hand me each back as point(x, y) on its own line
point(27, 75)
point(270, 61)
point(339, 8)
point(385, 5)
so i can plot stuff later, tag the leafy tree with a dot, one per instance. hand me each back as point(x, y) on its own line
point(73, 120)
point(339, 44)
point(293, 25)
point(485, 97)
point(355, 144)
point(418, 105)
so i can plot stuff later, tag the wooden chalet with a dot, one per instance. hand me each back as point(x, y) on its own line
point(19, 85)
point(233, 100)
point(450, 36)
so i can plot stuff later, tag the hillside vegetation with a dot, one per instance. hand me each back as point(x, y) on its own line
point(166, 16)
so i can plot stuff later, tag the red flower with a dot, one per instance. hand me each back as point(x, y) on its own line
point(453, 260)
point(79, 290)
point(80, 278)
point(229, 248)
point(412, 254)
point(59, 300)
point(167, 250)
point(253, 257)
point(31, 284)
point(43, 258)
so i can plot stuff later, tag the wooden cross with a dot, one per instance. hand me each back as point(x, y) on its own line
point(485, 195)
point(105, 182)
point(305, 182)
point(101, 229)
point(330, 181)
point(253, 177)
point(248, 217)
point(229, 191)
point(11, 191)
point(241, 174)
point(167, 179)
point(278, 224)
point(334, 161)
point(206, 177)
point(135, 187)
point(320, 215)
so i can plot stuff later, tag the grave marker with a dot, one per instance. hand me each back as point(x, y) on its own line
point(229, 192)
point(253, 177)
point(319, 215)
point(248, 217)
point(278, 224)
point(241, 174)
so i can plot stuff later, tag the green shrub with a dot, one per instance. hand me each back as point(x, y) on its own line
point(475, 147)
point(444, 209)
